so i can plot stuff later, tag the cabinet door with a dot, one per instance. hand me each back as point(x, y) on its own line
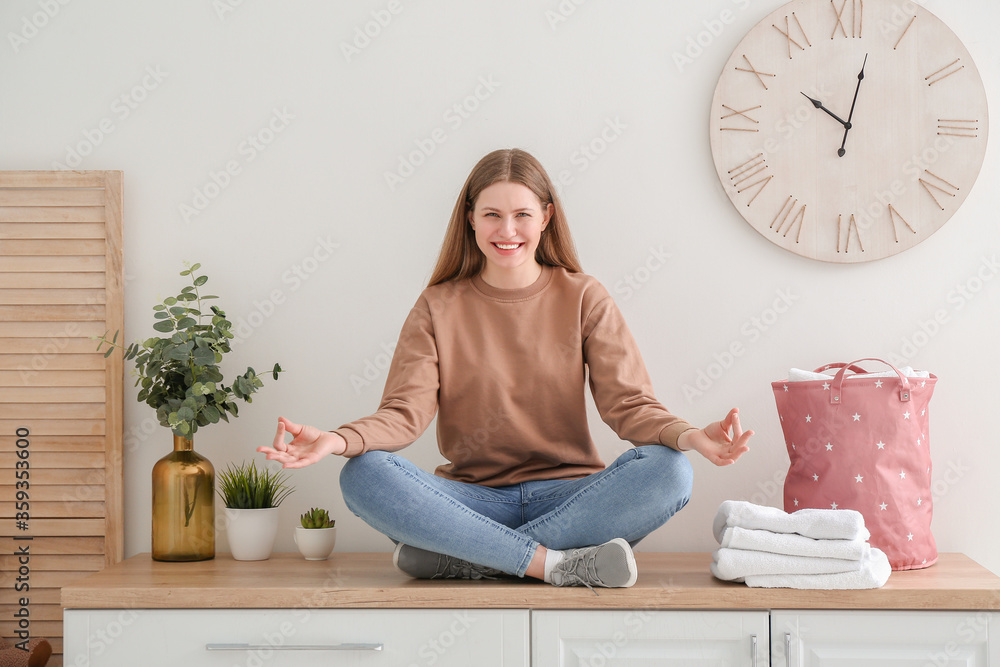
point(295, 637)
point(648, 638)
point(870, 638)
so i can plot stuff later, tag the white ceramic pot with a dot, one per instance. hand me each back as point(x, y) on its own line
point(251, 533)
point(315, 543)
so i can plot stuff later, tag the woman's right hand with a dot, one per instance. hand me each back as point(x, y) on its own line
point(308, 445)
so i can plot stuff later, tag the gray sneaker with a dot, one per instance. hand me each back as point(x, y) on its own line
point(609, 565)
point(423, 564)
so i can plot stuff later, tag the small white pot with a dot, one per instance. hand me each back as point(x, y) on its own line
point(315, 543)
point(251, 533)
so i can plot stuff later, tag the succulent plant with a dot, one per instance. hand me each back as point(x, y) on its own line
point(317, 518)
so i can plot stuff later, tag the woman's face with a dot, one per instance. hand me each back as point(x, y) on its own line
point(508, 219)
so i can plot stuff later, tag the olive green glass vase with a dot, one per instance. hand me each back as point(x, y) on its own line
point(183, 505)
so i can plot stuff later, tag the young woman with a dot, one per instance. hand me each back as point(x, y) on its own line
point(500, 346)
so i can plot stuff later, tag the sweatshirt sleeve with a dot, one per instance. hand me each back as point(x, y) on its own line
point(410, 398)
point(620, 383)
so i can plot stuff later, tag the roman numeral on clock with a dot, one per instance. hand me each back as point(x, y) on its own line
point(787, 32)
point(787, 214)
point(760, 75)
point(958, 128)
point(852, 223)
point(749, 171)
point(856, 16)
point(939, 184)
point(905, 30)
point(893, 214)
point(741, 117)
point(954, 67)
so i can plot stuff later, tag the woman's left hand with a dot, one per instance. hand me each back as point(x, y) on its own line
point(721, 442)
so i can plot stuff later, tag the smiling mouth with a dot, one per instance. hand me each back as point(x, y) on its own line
point(507, 246)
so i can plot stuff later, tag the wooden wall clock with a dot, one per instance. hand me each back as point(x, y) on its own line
point(849, 130)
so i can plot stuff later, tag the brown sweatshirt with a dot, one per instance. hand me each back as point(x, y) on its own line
point(507, 370)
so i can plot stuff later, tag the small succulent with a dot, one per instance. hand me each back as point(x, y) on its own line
point(317, 518)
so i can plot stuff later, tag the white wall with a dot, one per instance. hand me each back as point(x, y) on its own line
point(223, 75)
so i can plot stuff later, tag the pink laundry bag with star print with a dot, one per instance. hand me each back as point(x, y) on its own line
point(860, 440)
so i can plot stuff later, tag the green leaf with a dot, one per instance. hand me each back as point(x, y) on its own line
point(115, 339)
point(170, 301)
point(178, 311)
point(195, 267)
point(200, 280)
point(211, 413)
point(204, 356)
point(108, 353)
point(186, 323)
point(165, 326)
point(181, 352)
point(185, 414)
point(275, 371)
point(161, 316)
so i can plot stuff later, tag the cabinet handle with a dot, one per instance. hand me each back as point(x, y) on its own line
point(788, 649)
point(753, 650)
point(294, 647)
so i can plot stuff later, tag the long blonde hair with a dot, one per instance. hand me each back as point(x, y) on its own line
point(461, 258)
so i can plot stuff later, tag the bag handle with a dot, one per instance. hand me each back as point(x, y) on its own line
point(838, 381)
point(856, 369)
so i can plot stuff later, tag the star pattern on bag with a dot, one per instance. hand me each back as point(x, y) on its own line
point(887, 429)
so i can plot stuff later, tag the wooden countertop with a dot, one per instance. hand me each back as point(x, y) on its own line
point(368, 580)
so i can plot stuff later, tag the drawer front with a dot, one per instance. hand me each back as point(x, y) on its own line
point(647, 638)
point(880, 638)
point(295, 637)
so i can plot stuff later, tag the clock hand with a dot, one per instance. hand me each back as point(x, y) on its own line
point(847, 127)
point(819, 105)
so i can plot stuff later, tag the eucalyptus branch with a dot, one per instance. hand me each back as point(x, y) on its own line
point(179, 371)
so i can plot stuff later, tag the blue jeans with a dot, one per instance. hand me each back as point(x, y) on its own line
point(501, 527)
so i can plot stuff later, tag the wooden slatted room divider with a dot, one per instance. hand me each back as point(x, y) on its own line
point(60, 400)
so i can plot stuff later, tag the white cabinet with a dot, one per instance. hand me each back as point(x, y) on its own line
point(647, 638)
point(853, 638)
point(895, 638)
point(295, 637)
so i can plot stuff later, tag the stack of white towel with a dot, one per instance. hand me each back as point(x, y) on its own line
point(811, 548)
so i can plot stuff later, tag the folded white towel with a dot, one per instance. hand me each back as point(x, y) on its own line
point(737, 564)
point(792, 544)
point(799, 375)
point(874, 572)
point(818, 524)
